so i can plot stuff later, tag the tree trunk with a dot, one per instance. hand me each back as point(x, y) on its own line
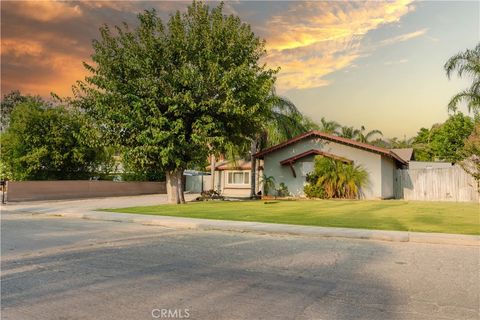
point(172, 194)
point(212, 170)
point(257, 177)
point(253, 170)
point(175, 192)
point(180, 191)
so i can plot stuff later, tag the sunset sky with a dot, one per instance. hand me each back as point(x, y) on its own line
point(378, 64)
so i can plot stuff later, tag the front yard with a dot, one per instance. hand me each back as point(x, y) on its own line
point(444, 217)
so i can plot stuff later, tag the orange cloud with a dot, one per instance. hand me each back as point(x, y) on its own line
point(44, 42)
point(314, 39)
point(33, 68)
point(49, 10)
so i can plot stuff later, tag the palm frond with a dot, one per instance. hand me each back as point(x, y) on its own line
point(471, 98)
point(464, 62)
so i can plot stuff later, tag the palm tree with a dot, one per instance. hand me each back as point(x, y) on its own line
point(349, 132)
point(329, 126)
point(337, 179)
point(398, 144)
point(365, 137)
point(466, 63)
point(268, 184)
point(285, 122)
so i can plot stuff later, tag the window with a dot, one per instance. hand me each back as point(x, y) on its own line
point(239, 177)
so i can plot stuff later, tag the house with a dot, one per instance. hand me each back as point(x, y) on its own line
point(232, 178)
point(290, 162)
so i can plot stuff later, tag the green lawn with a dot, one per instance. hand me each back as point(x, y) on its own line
point(386, 215)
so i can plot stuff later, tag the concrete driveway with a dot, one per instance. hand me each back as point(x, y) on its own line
point(57, 268)
point(84, 205)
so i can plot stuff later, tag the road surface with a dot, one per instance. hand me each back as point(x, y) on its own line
point(59, 268)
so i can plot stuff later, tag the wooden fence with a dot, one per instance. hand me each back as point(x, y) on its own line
point(446, 184)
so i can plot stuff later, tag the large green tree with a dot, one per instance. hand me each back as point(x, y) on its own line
point(173, 93)
point(466, 63)
point(46, 142)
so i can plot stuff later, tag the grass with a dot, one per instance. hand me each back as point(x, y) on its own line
point(443, 217)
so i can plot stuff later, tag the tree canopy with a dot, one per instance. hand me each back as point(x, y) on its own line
point(444, 142)
point(173, 93)
point(46, 142)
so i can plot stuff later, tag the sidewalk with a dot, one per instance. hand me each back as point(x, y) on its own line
point(84, 209)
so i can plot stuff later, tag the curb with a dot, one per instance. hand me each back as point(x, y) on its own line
point(271, 228)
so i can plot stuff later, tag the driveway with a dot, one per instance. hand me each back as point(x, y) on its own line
point(57, 268)
point(84, 205)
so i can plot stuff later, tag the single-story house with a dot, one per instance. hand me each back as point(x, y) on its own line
point(231, 178)
point(290, 162)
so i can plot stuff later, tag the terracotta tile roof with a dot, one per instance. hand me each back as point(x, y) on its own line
point(239, 164)
point(326, 136)
point(313, 152)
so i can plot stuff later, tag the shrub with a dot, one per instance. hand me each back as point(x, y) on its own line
point(335, 179)
point(210, 195)
point(314, 191)
point(282, 190)
point(268, 184)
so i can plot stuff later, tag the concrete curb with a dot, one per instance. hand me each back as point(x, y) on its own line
point(258, 227)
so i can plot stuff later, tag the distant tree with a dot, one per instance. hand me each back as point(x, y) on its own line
point(466, 63)
point(382, 143)
point(10, 101)
point(396, 143)
point(175, 93)
point(422, 144)
point(449, 138)
point(330, 127)
point(365, 137)
point(45, 142)
point(349, 132)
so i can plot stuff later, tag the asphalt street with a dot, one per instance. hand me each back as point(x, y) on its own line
point(59, 268)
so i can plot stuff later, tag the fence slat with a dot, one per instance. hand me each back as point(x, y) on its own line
point(443, 184)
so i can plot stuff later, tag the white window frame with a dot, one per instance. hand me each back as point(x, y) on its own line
point(229, 178)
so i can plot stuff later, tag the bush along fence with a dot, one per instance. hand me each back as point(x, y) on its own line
point(445, 184)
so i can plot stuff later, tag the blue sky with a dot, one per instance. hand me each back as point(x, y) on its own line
point(378, 64)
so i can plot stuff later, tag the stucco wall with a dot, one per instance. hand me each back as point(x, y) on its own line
point(76, 189)
point(372, 162)
point(388, 178)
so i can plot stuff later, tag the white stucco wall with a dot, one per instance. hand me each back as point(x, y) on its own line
point(388, 178)
point(372, 162)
